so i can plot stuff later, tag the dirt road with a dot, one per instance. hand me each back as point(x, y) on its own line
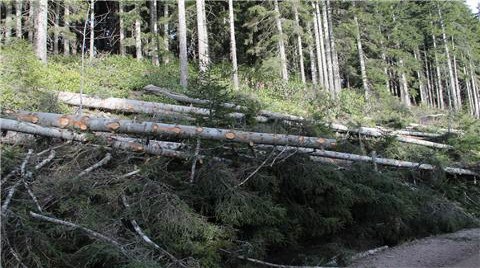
point(460, 249)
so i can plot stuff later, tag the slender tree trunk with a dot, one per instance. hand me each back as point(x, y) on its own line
point(281, 44)
point(470, 93)
point(335, 68)
point(385, 68)
point(8, 21)
point(31, 19)
point(66, 21)
point(233, 45)
point(455, 76)
point(429, 84)
point(440, 101)
point(320, 48)
point(453, 90)
point(475, 89)
point(56, 30)
point(404, 93)
point(154, 31)
point(138, 33)
point(166, 58)
point(18, 14)
point(328, 51)
point(122, 28)
point(182, 37)
point(421, 86)
point(41, 27)
point(92, 29)
point(361, 59)
point(202, 33)
point(299, 42)
point(313, 61)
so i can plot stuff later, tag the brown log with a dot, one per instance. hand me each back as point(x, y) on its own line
point(84, 123)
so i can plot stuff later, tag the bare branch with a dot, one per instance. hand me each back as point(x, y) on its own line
point(102, 162)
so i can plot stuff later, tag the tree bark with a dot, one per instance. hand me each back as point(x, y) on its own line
point(361, 58)
point(138, 33)
point(122, 28)
point(320, 47)
point(439, 88)
point(8, 21)
point(299, 42)
point(85, 123)
point(31, 19)
point(420, 77)
point(41, 27)
point(166, 57)
point(328, 50)
point(335, 68)
point(202, 33)
point(313, 62)
point(18, 14)
point(455, 76)
point(66, 21)
point(233, 45)
point(92, 29)
point(154, 31)
point(56, 30)
point(182, 37)
point(281, 44)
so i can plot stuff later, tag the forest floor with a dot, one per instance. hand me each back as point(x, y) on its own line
point(459, 249)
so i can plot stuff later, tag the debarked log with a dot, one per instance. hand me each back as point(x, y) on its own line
point(85, 123)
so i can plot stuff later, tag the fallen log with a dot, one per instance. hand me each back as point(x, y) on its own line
point(85, 123)
point(136, 106)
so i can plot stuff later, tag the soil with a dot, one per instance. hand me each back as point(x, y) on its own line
point(460, 249)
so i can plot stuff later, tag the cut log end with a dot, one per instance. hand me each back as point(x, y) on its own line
point(28, 118)
point(64, 122)
point(113, 126)
point(230, 136)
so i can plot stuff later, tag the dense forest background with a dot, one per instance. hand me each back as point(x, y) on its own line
point(91, 201)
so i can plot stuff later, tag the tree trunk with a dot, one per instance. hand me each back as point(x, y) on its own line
point(166, 57)
point(429, 84)
point(313, 61)
point(8, 21)
point(420, 77)
point(404, 93)
point(18, 14)
point(440, 101)
point(182, 37)
point(31, 19)
point(475, 89)
point(171, 130)
point(138, 32)
point(455, 76)
point(233, 45)
point(92, 29)
point(335, 68)
point(453, 91)
point(56, 30)
point(281, 44)
point(41, 23)
point(361, 59)
point(154, 31)
point(299, 42)
point(202, 33)
point(320, 47)
point(66, 21)
point(470, 93)
point(122, 28)
point(328, 51)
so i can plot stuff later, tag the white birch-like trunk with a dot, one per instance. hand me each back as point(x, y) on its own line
point(18, 16)
point(122, 28)
point(66, 21)
point(281, 44)
point(233, 45)
point(41, 24)
point(335, 68)
point(182, 37)
point(320, 48)
point(299, 42)
point(203, 57)
point(8, 21)
point(404, 93)
point(92, 29)
point(31, 20)
point(455, 76)
point(361, 58)
point(313, 62)
point(166, 57)
point(56, 30)
point(328, 50)
point(453, 90)
point(439, 88)
point(154, 31)
point(421, 86)
point(470, 93)
point(138, 33)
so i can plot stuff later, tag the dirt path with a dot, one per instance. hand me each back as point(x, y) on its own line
point(460, 249)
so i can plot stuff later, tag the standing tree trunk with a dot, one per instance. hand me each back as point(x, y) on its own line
point(203, 58)
point(328, 51)
point(66, 21)
point(421, 86)
point(335, 68)
point(182, 37)
point(319, 43)
point(299, 42)
point(138, 32)
point(122, 28)
point(404, 93)
point(361, 58)
point(31, 19)
point(455, 74)
point(166, 57)
point(429, 81)
point(154, 31)
point(8, 21)
point(41, 23)
point(233, 45)
point(18, 14)
point(453, 90)
point(281, 44)
point(475, 89)
point(56, 30)
point(440, 101)
point(92, 29)
point(313, 64)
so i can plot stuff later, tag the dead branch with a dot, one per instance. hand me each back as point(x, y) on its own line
point(100, 163)
point(194, 164)
point(12, 190)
